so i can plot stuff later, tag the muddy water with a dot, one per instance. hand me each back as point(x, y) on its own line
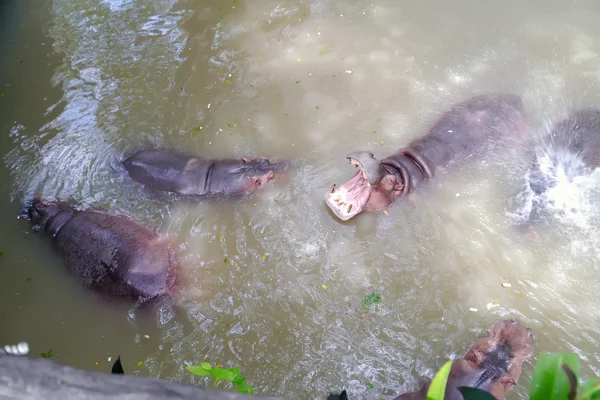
point(274, 283)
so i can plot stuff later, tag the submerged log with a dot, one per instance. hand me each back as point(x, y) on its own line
point(26, 378)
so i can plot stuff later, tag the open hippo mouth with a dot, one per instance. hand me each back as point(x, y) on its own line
point(373, 188)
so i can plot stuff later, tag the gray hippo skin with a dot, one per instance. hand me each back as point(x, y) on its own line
point(468, 130)
point(492, 364)
point(573, 144)
point(170, 171)
point(111, 255)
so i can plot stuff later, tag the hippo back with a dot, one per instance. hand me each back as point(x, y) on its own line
point(117, 257)
point(472, 128)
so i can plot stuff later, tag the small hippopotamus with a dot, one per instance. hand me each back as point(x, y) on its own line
point(112, 255)
point(492, 364)
point(467, 130)
point(570, 150)
point(170, 171)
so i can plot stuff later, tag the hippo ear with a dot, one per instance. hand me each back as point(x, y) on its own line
point(244, 160)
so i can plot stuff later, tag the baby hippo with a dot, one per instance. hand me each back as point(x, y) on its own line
point(492, 364)
point(188, 175)
point(111, 255)
point(469, 129)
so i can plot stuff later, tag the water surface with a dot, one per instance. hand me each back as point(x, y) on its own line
point(274, 283)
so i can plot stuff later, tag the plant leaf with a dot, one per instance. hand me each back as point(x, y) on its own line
point(197, 370)
point(590, 390)
point(239, 380)
point(117, 367)
point(245, 389)
point(470, 393)
point(205, 365)
point(221, 374)
point(549, 381)
point(437, 389)
point(235, 372)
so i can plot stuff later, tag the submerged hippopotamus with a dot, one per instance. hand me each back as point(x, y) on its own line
point(111, 255)
point(188, 175)
point(467, 130)
point(570, 150)
point(492, 364)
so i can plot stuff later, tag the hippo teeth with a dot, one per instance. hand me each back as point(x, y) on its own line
point(349, 208)
point(333, 188)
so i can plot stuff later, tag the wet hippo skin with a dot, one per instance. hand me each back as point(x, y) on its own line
point(468, 130)
point(492, 364)
point(171, 171)
point(573, 146)
point(112, 255)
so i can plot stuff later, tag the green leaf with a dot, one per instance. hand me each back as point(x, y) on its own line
point(140, 363)
point(590, 390)
point(245, 389)
point(317, 107)
point(221, 374)
point(205, 365)
point(47, 354)
point(549, 380)
point(1, 253)
point(225, 260)
point(437, 389)
point(239, 380)
point(235, 372)
point(470, 393)
point(197, 370)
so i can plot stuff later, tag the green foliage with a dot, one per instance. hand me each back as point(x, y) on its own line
point(555, 377)
point(222, 374)
point(437, 389)
point(470, 393)
point(47, 354)
point(371, 299)
point(551, 380)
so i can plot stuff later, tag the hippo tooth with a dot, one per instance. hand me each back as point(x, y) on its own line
point(333, 188)
point(349, 208)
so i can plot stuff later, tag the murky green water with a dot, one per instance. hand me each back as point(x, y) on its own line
point(84, 81)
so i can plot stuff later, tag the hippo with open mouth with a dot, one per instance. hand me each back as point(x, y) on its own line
point(492, 364)
point(170, 171)
point(469, 129)
point(112, 255)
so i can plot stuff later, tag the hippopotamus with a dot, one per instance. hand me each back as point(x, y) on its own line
point(570, 150)
point(468, 130)
point(188, 175)
point(492, 364)
point(112, 255)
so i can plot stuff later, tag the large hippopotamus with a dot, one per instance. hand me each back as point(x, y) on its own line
point(467, 130)
point(492, 364)
point(171, 171)
point(570, 150)
point(112, 255)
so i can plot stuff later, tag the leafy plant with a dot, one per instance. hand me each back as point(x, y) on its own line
point(437, 389)
point(222, 374)
point(555, 377)
point(47, 354)
point(371, 299)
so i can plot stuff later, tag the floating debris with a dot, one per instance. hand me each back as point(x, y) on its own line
point(506, 284)
point(473, 309)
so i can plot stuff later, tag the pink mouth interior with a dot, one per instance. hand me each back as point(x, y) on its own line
point(350, 198)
